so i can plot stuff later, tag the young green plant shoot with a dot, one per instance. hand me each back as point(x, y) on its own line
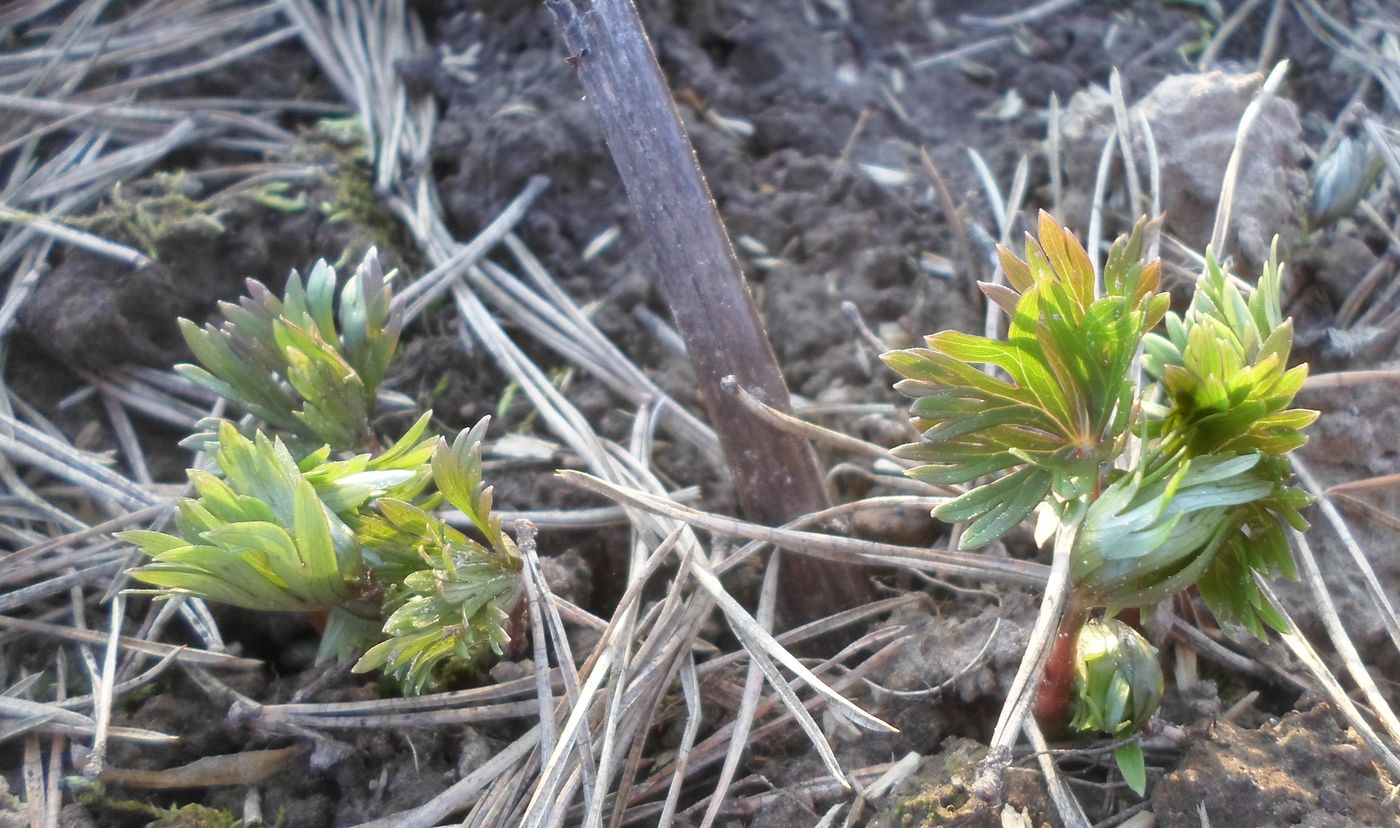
point(314, 515)
point(1151, 488)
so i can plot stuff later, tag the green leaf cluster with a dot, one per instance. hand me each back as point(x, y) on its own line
point(452, 597)
point(1225, 368)
point(354, 538)
point(258, 537)
point(1062, 402)
point(1206, 499)
point(335, 529)
point(299, 363)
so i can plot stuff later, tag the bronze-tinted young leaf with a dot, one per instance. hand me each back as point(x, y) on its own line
point(1058, 399)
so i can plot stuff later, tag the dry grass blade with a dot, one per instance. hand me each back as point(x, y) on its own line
point(811, 431)
point(105, 687)
point(127, 440)
point(1378, 595)
point(76, 238)
point(120, 164)
point(748, 702)
point(1125, 141)
point(560, 641)
point(1025, 16)
point(324, 714)
point(1094, 243)
point(436, 282)
point(549, 793)
point(1019, 697)
point(1312, 575)
point(34, 792)
point(153, 402)
point(121, 688)
point(30, 445)
point(556, 321)
point(761, 646)
point(137, 645)
point(1232, 167)
point(46, 718)
point(606, 359)
point(691, 689)
point(1298, 644)
point(464, 791)
point(525, 535)
point(1223, 33)
point(813, 543)
point(1066, 804)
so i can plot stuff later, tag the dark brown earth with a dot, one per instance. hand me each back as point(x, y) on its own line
point(814, 230)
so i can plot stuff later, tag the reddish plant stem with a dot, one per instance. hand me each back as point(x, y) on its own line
point(1053, 696)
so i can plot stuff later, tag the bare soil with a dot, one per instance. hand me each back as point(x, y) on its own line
point(824, 87)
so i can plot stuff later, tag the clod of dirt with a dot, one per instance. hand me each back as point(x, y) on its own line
point(970, 656)
point(939, 793)
point(1303, 770)
point(901, 525)
point(1339, 263)
point(569, 576)
point(92, 312)
point(1194, 118)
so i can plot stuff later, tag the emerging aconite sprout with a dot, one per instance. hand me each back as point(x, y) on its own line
point(1201, 500)
point(310, 513)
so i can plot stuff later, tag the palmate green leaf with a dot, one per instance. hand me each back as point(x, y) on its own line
point(457, 473)
point(316, 550)
point(997, 507)
point(453, 600)
point(240, 377)
point(216, 574)
point(230, 582)
point(337, 405)
point(1059, 403)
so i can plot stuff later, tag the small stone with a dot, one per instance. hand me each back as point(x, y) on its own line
point(1194, 118)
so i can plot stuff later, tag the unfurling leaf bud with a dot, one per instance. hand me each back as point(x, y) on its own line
point(1118, 682)
point(1118, 686)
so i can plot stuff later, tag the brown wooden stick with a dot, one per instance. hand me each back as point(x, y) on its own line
point(775, 474)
